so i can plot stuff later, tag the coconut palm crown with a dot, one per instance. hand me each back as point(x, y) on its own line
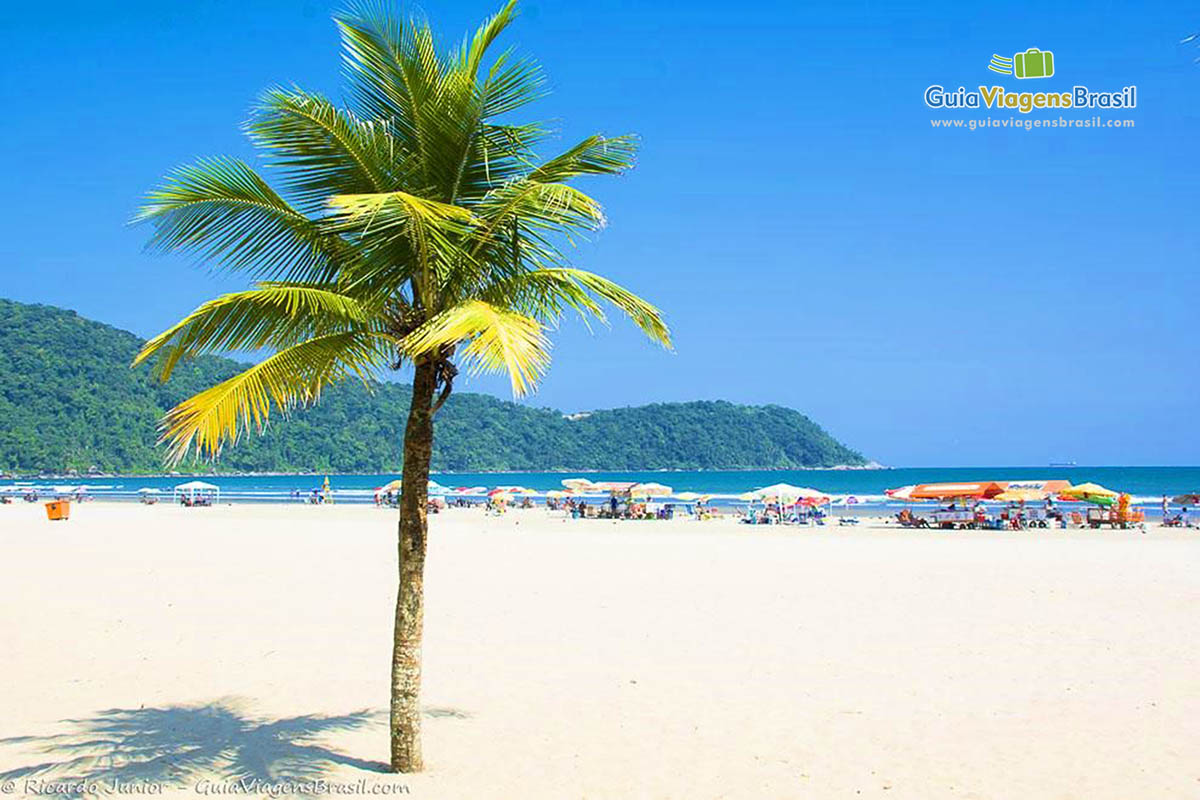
point(413, 225)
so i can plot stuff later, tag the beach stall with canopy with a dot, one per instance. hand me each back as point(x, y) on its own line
point(196, 493)
point(1031, 501)
point(1103, 499)
point(961, 491)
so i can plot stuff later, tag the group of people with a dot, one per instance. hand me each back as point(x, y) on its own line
point(775, 514)
point(614, 508)
point(1180, 519)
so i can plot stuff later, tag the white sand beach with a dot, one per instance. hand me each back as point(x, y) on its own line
point(595, 659)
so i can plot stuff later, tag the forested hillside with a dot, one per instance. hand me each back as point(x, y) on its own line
point(69, 400)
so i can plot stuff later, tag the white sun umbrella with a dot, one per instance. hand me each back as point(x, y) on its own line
point(433, 487)
point(580, 484)
point(786, 493)
point(688, 497)
point(650, 490)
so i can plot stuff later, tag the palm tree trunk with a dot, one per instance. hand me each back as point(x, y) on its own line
point(410, 598)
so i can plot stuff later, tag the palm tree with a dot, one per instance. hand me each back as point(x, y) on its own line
point(416, 227)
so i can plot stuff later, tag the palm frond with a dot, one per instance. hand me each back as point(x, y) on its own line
point(489, 338)
point(427, 227)
point(546, 293)
point(270, 315)
point(472, 55)
point(595, 155)
point(222, 210)
point(554, 207)
point(322, 149)
point(512, 83)
point(290, 378)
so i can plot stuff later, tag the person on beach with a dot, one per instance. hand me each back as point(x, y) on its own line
point(1165, 507)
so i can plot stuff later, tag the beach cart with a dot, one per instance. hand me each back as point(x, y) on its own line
point(58, 509)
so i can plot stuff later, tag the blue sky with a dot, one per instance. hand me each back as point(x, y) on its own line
point(932, 297)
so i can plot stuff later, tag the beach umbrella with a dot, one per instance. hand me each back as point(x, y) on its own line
point(433, 487)
point(557, 493)
point(688, 497)
point(903, 493)
point(1090, 493)
point(471, 490)
point(514, 490)
point(148, 491)
point(956, 491)
point(786, 493)
point(1045, 487)
point(579, 484)
point(616, 487)
point(394, 486)
point(650, 490)
point(1187, 499)
point(748, 497)
point(1021, 495)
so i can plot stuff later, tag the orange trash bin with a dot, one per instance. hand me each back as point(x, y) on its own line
point(59, 509)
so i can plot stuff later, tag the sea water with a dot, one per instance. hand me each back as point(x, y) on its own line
point(1147, 485)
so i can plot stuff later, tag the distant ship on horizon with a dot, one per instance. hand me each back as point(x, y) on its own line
point(1063, 464)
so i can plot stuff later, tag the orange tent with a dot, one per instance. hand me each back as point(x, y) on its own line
point(951, 491)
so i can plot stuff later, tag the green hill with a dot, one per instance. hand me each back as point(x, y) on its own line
point(68, 400)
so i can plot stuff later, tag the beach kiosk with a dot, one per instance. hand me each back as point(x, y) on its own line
point(197, 493)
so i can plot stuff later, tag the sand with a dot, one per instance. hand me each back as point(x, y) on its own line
point(595, 659)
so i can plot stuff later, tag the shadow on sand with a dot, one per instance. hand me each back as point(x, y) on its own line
point(174, 745)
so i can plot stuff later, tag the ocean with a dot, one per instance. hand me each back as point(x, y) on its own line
point(1147, 485)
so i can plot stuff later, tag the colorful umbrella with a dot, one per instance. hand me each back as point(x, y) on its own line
point(1090, 493)
point(903, 493)
point(955, 491)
